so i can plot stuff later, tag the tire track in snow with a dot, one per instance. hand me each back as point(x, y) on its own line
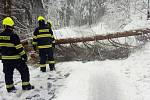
point(104, 87)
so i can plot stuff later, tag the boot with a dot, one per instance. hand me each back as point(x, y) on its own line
point(12, 89)
point(27, 87)
point(43, 69)
point(52, 67)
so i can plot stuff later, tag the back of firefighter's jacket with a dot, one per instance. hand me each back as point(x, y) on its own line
point(11, 48)
point(43, 37)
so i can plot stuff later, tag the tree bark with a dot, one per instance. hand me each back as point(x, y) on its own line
point(99, 37)
point(7, 7)
point(103, 37)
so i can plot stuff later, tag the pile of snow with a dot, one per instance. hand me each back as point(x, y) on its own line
point(102, 28)
point(75, 32)
point(84, 31)
point(137, 24)
point(99, 29)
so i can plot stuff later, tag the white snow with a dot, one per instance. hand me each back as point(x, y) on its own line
point(110, 80)
point(127, 79)
point(84, 31)
point(99, 29)
point(96, 80)
point(137, 24)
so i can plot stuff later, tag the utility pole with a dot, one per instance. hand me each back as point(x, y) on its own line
point(7, 7)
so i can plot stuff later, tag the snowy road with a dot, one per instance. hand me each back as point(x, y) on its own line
point(97, 81)
point(104, 87)
point(127, 79)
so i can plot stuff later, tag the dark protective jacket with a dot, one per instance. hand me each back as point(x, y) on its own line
point(49, 26)
point(11, 48)
point(43, 36)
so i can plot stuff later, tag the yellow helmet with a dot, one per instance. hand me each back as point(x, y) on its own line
point(8, 21)
point(41, 18)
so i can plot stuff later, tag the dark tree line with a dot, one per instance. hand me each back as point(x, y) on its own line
point(24, 13)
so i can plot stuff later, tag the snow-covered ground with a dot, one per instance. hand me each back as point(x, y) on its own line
point(110, 80)
point(97, 80)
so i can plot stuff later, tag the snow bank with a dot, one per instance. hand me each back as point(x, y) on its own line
point(137, 24)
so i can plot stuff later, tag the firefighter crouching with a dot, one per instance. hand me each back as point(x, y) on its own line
point(13, 57)
point(42, 40)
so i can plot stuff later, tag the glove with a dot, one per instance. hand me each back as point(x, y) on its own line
point(24, 57)
point(53, 44)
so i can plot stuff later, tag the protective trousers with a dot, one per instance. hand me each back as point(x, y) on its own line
point(8, 69)
point(46, 54)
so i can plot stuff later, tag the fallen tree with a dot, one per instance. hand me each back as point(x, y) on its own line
point(98, 47)
point(103, 37)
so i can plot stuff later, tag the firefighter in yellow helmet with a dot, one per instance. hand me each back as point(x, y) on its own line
point(40, 18)
point(13, 56)
point(42, 40)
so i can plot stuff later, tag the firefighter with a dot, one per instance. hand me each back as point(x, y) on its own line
point(42, 40)
point(49, 25)
point(13, 57)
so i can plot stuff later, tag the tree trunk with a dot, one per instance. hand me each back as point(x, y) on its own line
point(7, 7)
point(103, 37)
